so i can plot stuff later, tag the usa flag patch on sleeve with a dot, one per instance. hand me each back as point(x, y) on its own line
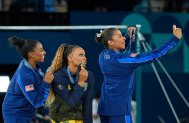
point(29, 87)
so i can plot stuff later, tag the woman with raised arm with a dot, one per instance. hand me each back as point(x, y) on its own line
point(118, 70)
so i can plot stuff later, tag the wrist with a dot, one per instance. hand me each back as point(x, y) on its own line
point(81, 83)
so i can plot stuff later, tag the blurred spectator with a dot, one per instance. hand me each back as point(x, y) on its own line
point(49, 5)
point(61, 6)
point(185, 6)
point(1, 5)
point(6, 5)
point(56, 6)
point(143, 6)
point(157, 5)
point(25, 5)
point(122, 5)
point(103, 5)
point(184, 120)
point(176, 6)
point(74, 5)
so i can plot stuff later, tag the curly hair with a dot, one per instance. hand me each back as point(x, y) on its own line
point(57, 63)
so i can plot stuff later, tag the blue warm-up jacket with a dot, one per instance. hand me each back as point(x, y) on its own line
point(26, 92)
point(119, 77)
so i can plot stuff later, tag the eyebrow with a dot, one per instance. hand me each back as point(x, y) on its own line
point(118, 34)
point(41, 48)
point(79, 53)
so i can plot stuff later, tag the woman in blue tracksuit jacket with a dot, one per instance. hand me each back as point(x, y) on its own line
point(118, 70)
point(70, 100)
point(28, 88)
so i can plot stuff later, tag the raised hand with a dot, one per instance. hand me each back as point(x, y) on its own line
point(83, 75)
point(133, 32)
point(177, 32)
point(49, 77)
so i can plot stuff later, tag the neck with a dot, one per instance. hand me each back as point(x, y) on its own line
point(72, 69)
point(32, 63)
point(114, 49)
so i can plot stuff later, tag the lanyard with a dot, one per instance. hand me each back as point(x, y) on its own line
point(76, 79)
point(70, 76)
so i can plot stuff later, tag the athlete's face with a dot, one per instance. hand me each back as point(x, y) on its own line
point(38, 54)
point(77, 57)
point(117, 42)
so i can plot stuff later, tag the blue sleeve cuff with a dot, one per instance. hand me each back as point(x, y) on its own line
point(46, 85)
point(127, 37)
point(79, 88)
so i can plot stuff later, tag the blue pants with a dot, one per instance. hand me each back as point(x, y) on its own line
point(116, 119)
point(14, 119)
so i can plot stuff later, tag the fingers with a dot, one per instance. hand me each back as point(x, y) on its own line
point(177, 32)
point(83, 65)
point(83, 75)
point(49, 72)
point(83, 70)
point(133, 29)
point(174, 27)
point(49, 77)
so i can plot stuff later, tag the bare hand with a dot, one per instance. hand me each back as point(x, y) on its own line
point(133, 32)
point(48, 77)
point(177, 32)
point(83, 75)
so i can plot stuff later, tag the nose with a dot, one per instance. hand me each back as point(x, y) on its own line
point(84, 59)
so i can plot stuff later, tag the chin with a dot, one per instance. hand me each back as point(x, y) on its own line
point(42, 60)
point(122, 48)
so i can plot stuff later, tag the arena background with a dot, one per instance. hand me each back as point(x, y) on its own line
point(156, 27)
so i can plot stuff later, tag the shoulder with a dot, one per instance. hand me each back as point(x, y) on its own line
point(60, 81)
point(25, 73)
point(59, 78)
point(106, 51)
point(90, 74)
point(105, 55)
point(58, 73)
